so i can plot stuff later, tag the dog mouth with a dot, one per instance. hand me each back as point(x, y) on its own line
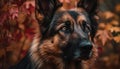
point(85, 55)
point(82, 53)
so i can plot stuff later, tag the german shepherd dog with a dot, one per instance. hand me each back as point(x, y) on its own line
point(65, 37)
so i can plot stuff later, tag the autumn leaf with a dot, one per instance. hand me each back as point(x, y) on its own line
point(117, 39)
point(31, 8)
point(103, 36)
point(13, 11)
point(18, 2)
point(117, 8)
point(30, 32)
point(108, 14)
point(3, 17)
point(100, 50)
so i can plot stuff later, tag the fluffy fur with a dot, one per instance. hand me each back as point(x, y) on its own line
point(41, 54)
point(65, 37)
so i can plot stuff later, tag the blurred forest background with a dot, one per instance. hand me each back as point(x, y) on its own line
point(18, 26)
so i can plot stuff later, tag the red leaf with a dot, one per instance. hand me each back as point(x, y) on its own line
point(23, 52)
point(13, 11)
point(18, 36)
point(30, 32)
point(18, 2)
point(3, 17)
point(100, 50)
point(31, 8)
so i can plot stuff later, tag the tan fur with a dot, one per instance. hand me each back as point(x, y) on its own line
point(48, 52)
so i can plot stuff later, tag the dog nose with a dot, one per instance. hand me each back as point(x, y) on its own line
point(85, 45)
point(85, 48)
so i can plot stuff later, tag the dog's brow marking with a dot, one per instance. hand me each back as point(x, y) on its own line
point(73, 14)
point(81, 18)
point(66, 17)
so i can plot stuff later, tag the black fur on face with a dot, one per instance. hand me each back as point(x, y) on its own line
point(65, 36)
point(75, 28)
point(47, 10)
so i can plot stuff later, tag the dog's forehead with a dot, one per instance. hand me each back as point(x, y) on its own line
point(76, 14)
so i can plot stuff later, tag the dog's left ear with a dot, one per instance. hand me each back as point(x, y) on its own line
point(89, 5)
point(44, 11)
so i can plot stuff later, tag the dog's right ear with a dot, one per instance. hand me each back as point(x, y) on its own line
point(44, 11)
point(89, 5)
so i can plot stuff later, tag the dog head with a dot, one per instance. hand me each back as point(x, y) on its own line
point(71, 29)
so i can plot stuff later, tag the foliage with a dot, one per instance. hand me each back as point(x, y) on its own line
point(16, 30)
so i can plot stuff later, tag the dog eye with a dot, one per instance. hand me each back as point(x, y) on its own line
point(65, 29)
point(85, 26)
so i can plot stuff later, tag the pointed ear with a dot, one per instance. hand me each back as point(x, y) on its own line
point(44, 11)
point(89, 5)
